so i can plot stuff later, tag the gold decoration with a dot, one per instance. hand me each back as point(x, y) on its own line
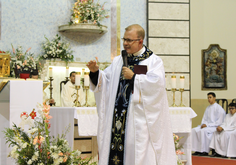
point(4, 64)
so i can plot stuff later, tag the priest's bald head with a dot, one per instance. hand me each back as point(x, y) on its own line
point(133, 38)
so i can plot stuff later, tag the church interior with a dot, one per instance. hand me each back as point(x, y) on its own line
point(183, 33)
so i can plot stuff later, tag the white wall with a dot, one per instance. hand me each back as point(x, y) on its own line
point(212, 22)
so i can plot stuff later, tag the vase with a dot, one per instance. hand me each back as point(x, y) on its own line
point(24, 75)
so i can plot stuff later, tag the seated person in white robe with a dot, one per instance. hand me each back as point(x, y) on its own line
point(201, 135)
point(134, 123)
point(69, 93)
point(222, 135)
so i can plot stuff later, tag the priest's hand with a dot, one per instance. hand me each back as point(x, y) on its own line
point(127, 73)
point(219, 129)
point(93, 66)
point(203, 126)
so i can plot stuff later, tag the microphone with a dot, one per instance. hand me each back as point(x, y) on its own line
point(124, 56)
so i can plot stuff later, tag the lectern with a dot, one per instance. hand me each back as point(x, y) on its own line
point(16, 96)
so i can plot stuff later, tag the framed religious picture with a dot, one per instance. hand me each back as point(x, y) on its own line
point(214, 67)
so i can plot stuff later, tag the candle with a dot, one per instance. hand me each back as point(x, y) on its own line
point(86, 78)
point(181, 82)
point(50, 71)
point(67, 71)
point(173, 81)
point(77, 79)
point(82, 76)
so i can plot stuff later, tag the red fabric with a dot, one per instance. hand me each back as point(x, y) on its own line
point(200, 160)
point(24, 75)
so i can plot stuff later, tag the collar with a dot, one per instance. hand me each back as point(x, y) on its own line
point(140, 52)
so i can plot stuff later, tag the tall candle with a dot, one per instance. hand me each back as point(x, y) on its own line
point(67, 71)
point(77, 79)
point(50, 71)
point(173, 81)
point(181, 82)
point(86, 78)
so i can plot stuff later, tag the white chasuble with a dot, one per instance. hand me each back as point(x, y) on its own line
point(201, 138)
point(148, 133)
point(220, 140)
point(69, 94)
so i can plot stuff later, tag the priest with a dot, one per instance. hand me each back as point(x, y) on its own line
point(223, 135)
point(134, 123)
point(69, 93)
point(202, 134)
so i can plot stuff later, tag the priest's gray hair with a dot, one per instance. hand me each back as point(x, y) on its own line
point(138, 28)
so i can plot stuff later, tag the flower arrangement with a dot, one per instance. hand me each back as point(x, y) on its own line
point(35, 146)
point(24, 62)
point(57, 49)
point(177, 148)
point(85, 11)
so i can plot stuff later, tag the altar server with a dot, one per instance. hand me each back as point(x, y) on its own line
point(202, 134)
point(69, 93)
point(224, 134)
point(134, 123)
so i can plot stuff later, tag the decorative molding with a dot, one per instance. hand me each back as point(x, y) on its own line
point(83, 28)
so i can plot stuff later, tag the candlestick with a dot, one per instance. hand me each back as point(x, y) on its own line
point(77, 78)
point(67, 71)
point(86, 78)
point(173, 90)
point(181, 82)
point(50, 88)
point(77, 103)
point(86, 97)
point(173, 81)
point(50, 71)
point(181, 101)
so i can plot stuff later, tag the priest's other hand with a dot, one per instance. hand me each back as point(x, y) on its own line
point(93, 66)
point(219, 129)
point(203, 126)
point(127, 73)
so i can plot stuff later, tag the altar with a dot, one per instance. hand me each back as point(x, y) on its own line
point(85, 129)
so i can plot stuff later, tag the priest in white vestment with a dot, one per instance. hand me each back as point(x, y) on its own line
point(69, 93)
point(224, 134)
point(201, 135)
point(134, 123)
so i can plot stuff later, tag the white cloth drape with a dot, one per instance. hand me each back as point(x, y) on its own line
point(62, 117)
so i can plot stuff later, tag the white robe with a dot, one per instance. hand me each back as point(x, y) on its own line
point(69, 93)
point(201, 138)
point(149, 138)
point(220, 140)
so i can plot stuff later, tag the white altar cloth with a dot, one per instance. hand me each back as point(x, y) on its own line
point(87, 120)
point(62, 117)
point(181, 119)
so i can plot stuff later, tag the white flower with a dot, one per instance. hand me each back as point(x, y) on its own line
point(29, 162)
point(34, 157)
point(32, 130)
point(24, 145)
point(55, 156)
point(36, 153)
